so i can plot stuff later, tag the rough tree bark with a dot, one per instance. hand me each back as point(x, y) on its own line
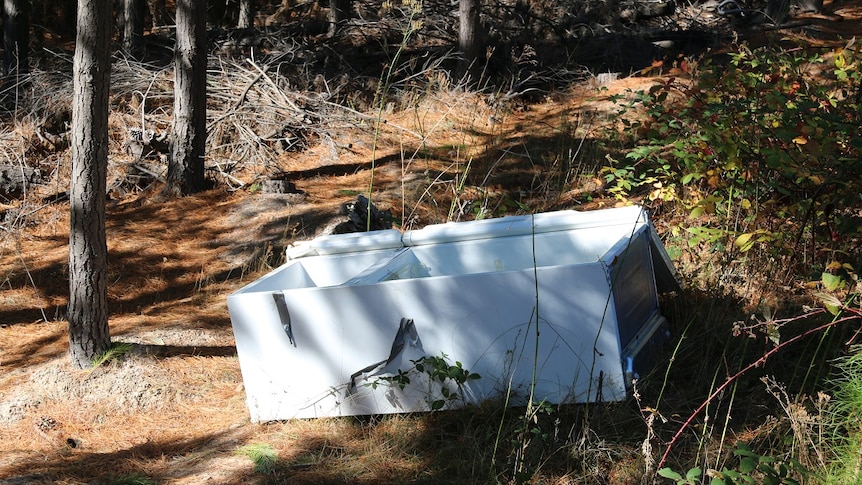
point(133, 28)
point(16, 36)
point(157, 12)
point(470, 38)
point(246, 14)
point(88, 290)
point(188, 136)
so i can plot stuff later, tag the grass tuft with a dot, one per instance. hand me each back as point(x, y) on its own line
point(264, 457)
point(116, 351)
point(845, 420)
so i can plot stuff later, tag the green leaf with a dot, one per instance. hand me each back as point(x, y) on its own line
point(747, 240)
point(774, 334)
point(731, 474)
point(767, 459)
point(694, 473)
point(744, 241)
point(747, 464)
point(689, 177)
point(668, 473)
point(831, 282)
point(743, 449)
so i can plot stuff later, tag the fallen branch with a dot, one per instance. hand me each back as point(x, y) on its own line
point(274, 87)
point(149, 172)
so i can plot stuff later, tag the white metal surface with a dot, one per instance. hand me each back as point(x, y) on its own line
point(571, 295)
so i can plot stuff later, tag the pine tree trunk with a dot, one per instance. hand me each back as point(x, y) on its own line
point(88, 290)
point(133, 28)
point(157, 12)
point(470, 39)
point(188, 140)
point(16, 36)
point(246, 15)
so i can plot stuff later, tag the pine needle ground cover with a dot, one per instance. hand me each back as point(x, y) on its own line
point(762, 220)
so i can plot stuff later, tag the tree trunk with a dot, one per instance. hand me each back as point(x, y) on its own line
point(188, 137)
point(339, 11)
point(157, 12)
point(246, 14)
point(470, 39)
point(88, 252)
point(133, 28)
point(16, 36)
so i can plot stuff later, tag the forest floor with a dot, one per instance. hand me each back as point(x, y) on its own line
point(172, 409)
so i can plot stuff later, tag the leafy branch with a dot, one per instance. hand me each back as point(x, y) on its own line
point(437, 369)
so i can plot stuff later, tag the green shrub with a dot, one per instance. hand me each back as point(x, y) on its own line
point(750, 468)
point(762, 148)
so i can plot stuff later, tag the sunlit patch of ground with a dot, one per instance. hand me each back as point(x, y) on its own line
point(173, 407)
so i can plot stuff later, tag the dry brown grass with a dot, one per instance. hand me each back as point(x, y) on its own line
point(173, 408)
